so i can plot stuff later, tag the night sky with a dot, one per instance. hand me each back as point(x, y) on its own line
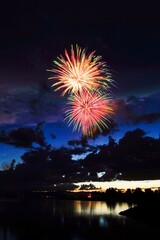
point(33, 33)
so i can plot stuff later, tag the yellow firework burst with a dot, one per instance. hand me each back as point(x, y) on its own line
point(79, 71)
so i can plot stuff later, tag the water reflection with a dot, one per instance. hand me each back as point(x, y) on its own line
point(68, 220)
point(98, 208)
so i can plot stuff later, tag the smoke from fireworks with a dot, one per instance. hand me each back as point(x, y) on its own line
point(87, 81)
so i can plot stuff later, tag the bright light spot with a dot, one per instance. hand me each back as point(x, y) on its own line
point(100, 174)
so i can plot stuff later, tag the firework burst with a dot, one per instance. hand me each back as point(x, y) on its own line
point(79, 71)
point(88, 111)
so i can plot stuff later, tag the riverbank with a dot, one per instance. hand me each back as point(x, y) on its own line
point(147, 212)
point(112, 195)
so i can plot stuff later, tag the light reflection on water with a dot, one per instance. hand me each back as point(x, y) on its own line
point(98, 208)
point(49, 219)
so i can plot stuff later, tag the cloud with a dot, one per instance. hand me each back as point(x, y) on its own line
point(83, 142)
point(136, 110)
point(112, 127)
point(29, 105)
point(23, 137)
point(146, 118)
point(6, 117)
point(78, 150)
point(53, 136)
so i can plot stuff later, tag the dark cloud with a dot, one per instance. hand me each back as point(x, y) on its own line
point(83, 142)
point(29, 105)
point(112, 126)
point(146, 118)
point(35, 156)
point(78, 150)
point(23, 137)
point(136, 110)
point(53, 136)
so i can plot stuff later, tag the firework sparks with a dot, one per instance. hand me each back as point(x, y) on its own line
point(88, 112)
point(78, 71)
point(85, 77)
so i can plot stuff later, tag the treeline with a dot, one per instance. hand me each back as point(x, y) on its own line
point(113, 195)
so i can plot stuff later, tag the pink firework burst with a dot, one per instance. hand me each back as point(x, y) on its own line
point(88, 111)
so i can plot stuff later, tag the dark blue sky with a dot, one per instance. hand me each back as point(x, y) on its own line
point(33, 34)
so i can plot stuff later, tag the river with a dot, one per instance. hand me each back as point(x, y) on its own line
point(46, 219)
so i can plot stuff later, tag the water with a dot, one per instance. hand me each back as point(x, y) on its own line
point(46, 219)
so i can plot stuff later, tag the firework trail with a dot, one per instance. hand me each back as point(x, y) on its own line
point(78, 71)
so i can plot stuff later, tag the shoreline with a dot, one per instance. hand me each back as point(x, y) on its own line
point(147, 213)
